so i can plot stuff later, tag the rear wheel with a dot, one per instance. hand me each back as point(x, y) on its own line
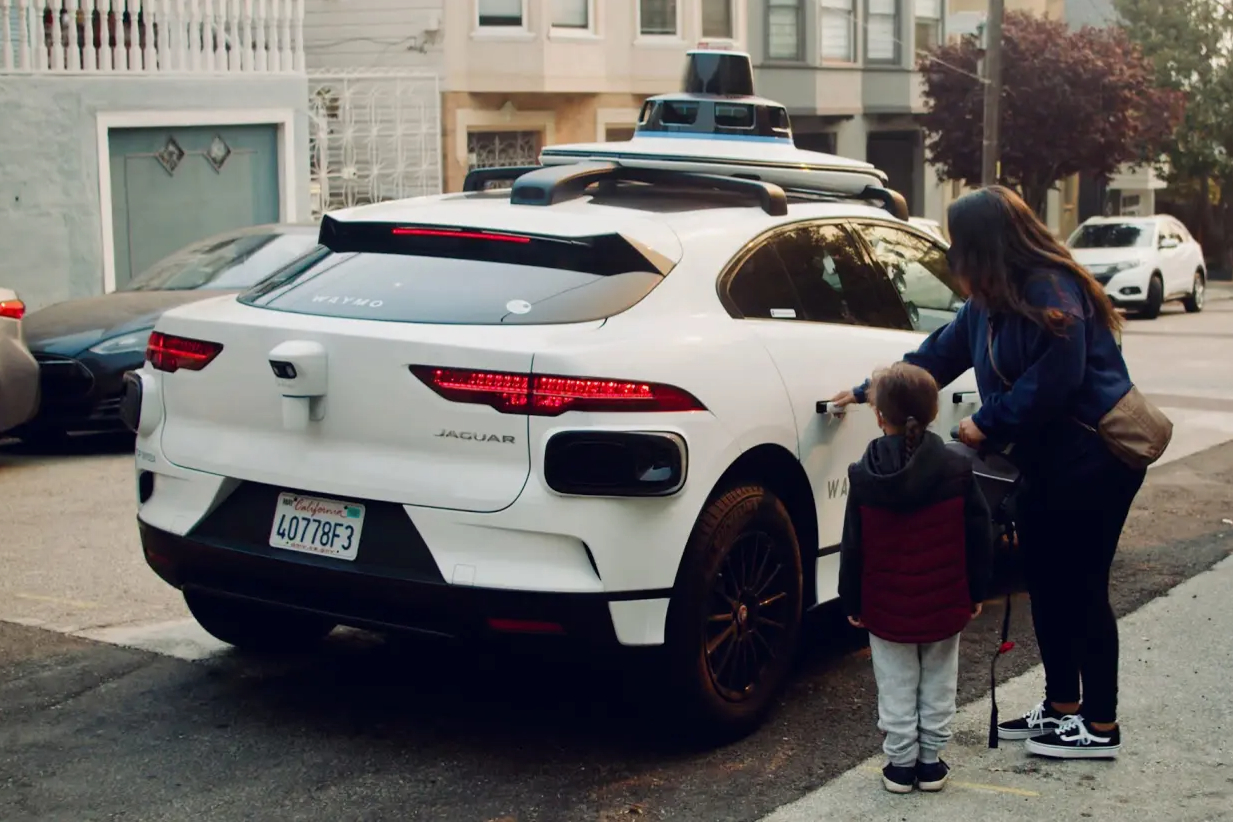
point(254, 626)
point(735, 620)
point(1155, 298)
point(1198, 295)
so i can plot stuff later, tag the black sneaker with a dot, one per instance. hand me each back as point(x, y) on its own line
point(1039, 721)
point(1076, 739)
point(898, 778)
point(932, 776)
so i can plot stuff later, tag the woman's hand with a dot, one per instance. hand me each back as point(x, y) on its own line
point(969, 433)
point(844, 399)
point(855, 622)
point(977, 608)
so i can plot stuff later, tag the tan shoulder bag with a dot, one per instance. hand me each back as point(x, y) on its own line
point(1134, 430)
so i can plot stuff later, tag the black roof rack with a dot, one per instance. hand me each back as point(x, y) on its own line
point(553, 184)
point(545, 185)
point(478, 179)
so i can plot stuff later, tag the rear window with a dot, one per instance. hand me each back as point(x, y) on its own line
point(430, 274)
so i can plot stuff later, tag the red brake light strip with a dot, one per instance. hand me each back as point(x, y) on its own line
point(461, 235)
point(549, 396)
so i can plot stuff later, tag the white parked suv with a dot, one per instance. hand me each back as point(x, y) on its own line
point(1143, 262)
point(590, 405)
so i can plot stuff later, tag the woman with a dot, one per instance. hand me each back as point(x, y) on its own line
point(1039, 332)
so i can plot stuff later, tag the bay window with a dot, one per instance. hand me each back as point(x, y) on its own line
point(882, 31)
point(783, 30)
point(837, 38)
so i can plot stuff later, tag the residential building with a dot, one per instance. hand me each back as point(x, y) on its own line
point(522, 73)
point(133, 128)
point(846, 70)
point(374, 74)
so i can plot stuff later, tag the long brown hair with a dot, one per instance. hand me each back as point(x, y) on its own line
point(906, 396)
point(998, 243)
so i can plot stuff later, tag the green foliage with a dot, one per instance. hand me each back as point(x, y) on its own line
point(1072, 102)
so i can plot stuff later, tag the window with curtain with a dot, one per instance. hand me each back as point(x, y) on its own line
point(657, 18)
point(571, 14)
point(928, 24)
point(882, 31)
point(717, 20)
point(500, 12)
point(838, 26)
point(783, 30)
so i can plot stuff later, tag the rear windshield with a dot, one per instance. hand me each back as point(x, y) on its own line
point(235, 262)
point(1112, 235)
point(464, 277)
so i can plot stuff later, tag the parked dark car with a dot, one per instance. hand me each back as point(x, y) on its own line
point(84, 347)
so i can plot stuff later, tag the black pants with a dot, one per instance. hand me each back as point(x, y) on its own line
point(1069, 527)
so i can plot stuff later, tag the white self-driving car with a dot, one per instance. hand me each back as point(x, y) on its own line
point(592, 404)
point(1143, 262)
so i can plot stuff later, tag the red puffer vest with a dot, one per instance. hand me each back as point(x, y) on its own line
point(914, 587)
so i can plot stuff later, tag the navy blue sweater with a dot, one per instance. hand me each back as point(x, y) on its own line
point(1056, 379)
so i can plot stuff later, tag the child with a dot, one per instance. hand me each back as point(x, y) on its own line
point(917, 548)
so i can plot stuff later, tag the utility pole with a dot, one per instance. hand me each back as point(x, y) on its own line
point(993, 93)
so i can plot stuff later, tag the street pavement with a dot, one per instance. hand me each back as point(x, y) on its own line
point(113, 705)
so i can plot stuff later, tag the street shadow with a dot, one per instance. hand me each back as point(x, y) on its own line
point(100, 444)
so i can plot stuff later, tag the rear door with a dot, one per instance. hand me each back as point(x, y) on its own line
point(828, 319)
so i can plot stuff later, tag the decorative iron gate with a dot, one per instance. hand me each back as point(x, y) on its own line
point(374, 135)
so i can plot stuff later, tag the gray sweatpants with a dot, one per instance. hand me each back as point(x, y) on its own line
point(916, 697)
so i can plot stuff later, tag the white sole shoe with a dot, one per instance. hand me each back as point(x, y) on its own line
point(1071, 752)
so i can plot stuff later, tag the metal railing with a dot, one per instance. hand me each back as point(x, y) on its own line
point(151, 36)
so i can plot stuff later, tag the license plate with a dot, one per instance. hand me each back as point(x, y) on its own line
point(313, 525)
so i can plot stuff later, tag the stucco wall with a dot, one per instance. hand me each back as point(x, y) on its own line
point(50, 216)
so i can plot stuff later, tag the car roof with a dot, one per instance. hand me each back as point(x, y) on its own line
point(663, 219)
point(1150, 218)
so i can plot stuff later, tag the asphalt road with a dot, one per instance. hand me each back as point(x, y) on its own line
point(414, 730)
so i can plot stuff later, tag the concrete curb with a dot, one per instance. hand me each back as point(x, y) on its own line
point(1176, 761)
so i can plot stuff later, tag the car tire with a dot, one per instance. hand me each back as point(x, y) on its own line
point(735, 619)
point(1155, 298)
point(253, 626)
point(1198, 295)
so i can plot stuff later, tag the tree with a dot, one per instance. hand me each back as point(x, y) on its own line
point(1085, 101)
point(1189, 45)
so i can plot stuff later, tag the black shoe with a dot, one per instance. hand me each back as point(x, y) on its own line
point(932, 776)
point(1039, 721)
point(1076, 739)
point(898, 778)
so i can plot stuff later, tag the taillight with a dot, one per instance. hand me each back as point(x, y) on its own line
point(169, 353)
point(12, 309)
point(460, 235)
point(547, 396)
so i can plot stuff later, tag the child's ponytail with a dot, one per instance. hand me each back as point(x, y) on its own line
point(913, 433)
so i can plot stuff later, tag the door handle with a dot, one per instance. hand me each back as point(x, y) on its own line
point(829, 408)
point(961, 397)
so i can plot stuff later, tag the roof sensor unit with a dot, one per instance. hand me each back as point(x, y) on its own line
point(721, 73)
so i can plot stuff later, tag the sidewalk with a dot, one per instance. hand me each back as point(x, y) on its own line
point(1177, 758)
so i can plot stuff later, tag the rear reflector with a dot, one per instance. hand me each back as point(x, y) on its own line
point(459, 235)
point(169, 353)
point(12, 309)
point(525, 626)
point(548, 396)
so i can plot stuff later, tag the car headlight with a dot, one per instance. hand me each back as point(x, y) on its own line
point(124, 344)
point(1117, 268)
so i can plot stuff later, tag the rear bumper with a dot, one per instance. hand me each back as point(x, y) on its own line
point(19, 383)
point(380, 599)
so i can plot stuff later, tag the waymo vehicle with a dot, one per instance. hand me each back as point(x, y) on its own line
point(582, 399)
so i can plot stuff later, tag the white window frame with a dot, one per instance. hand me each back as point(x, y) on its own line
point(498, 31)
point(897, 37)
point(853, 39)
point(570, 32)
point(734, 10)
point(664, 39)
point(939, 21)
point(799, 55)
